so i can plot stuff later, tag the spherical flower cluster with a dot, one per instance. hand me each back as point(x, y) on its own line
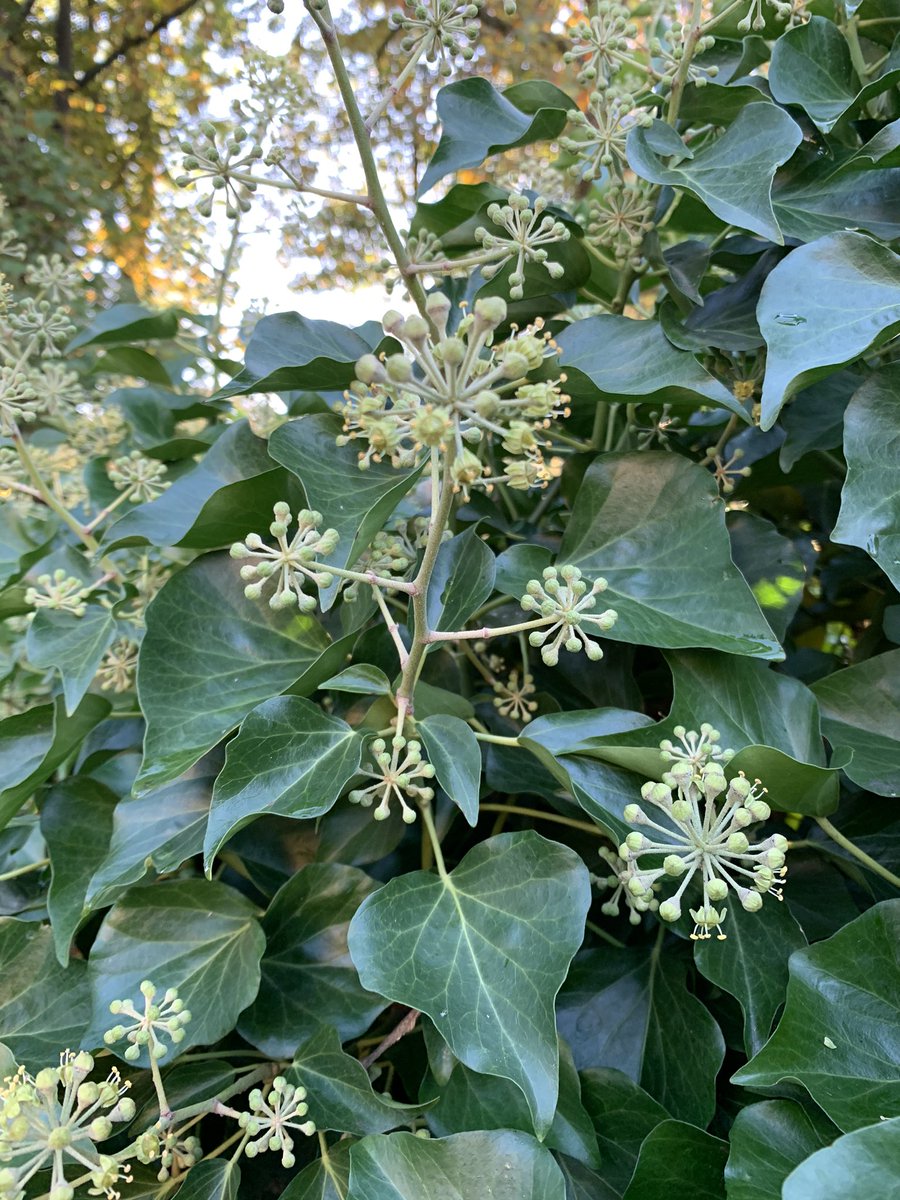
point(528, 234)
point(456, 391)
point(60, 592)
point(513, 697)
point(601, 44)
point(228, 166)
point(53, 278)
point(142, 478)
point(395, 772)
point(602, 132)
point(438, 30)
point(272, 1115)
point(174, 1152)
point(288, 563)
point(116, 671)
point(41, 1129)
point(621, 219)
point(562, 597)
point(703, 835)
point(670, 52)
point(164, 1017)
point(618, 877)
point(390, 556)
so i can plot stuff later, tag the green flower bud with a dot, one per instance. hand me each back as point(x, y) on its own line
point(669, 910)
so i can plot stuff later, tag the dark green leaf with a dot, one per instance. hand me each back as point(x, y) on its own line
point(470, 1166)
point(767, 1141)
point(840, 1032)
point(771, 566)
point(632, 1011)
point(199, 937)
point(289, 759)
point(679, 1158)
point(870, 500)
point(452, 748)
point(860, 708)
point(361, 679)
point(42, 1007)
point(307, 977)
point(23, 542)
point(71, 808)
point(209, 656)
point(478, 121)
point(483, 951)
point(126, 323)
point(618, 357)
point(732, 176)
point(752, 964)
point(339, 1093)
point(623, 1115)
point(858, 1166)
point(814, 420)
point(822, 306)
point(324, 1179)
point(462, 579)
point(72, 645)
point(827, 195)
point(638, 521)
point(212, 1179)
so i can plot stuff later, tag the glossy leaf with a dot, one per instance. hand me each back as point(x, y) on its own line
point(42, 1006)
point(339, 1093)
point(767, 1141)
point(308, 979)
point(840, 1032)
point(663, 1019)
point(470, 1166)
point(679, 1156)
point(452, 748)
point(289, 759)
point(72, 645)
point(321, 1180)
point(771, 566)
point(199, 937)
point(125, 323)
point(208, 657)
point(477, 121)
point(617, 357)
point(733, 176)
point(623, 528)
point(463, 578)
point(72, 807)
point(822, 306)
point(855, 1167)
point(623, 1115)
point(860, 709)
point(870, 499)
point(212, 1179)
point(362, 679)
point(356, 503)
point(483, 951)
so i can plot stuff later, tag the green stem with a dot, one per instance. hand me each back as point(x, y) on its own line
point(495, 739)
point(487, 631)
point(26, 870)
point(681, 78)
point(585, 826)
point(257, 1075)
point(860, 855)
point(428, 824)
point(49, 499)
point(597, 929)
point(104, 513)
point(860, 66)
point(293, 185)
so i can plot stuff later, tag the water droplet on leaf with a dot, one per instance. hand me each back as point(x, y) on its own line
point(789, 319)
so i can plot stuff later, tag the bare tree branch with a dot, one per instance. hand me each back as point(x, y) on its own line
point(130, 42)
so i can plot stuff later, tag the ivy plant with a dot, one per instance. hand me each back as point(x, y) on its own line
point(456, 756)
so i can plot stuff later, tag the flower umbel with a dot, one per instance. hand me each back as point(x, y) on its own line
point(527, 235)
point(563, 595)
point(395, 772)
point(59, 591)
point(620, 872)
point(167, 1016)
point(43, 1130)
point(272, 1115)
point(705, 835)
point(142, 478)
point(289, 563)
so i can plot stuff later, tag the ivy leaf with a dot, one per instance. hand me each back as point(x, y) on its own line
point(752, 964)
point(811, 67)
point(470, 1166)
point(623, 1115)
point(288, 352)
point(356, 503)
point(35, 742)
point(478, 121)
point(124, 323)
point(622, 527)
point(360, 679)
point(483, 951)
point(23, 542)
point(199, 937)
point(339, 1092)
point(767, 1141)
point(679, 1157)
point(72, 645)
point(212, 1179)
point(42, 1005)
point(619, 357)
point(829, 194)
point(855, 1167)
point(308, 978)
point(860, 707)
point(733, 176)
point(230, 491)
point(71, 807)
point(209, 656)
point(814, 420)
point(840, 1033)
point(462, 579)
point(452, 748)
point(870, 499)
point(326, 1178)
point(771, 566)
point(156, 832)
point(289, 759)
point(649, 1047)
point(469, 1101)
point(153, 414)
point(823, 305)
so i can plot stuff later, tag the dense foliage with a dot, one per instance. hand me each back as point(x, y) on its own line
point(456, 756)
